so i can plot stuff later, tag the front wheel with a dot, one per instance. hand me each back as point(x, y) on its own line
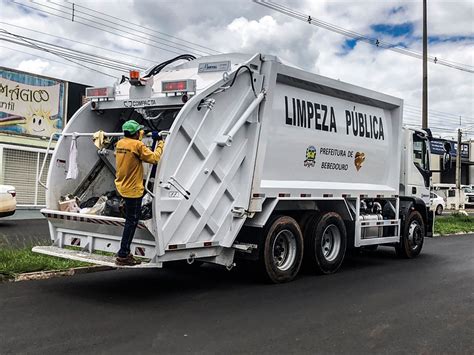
point(325, 243)
point(282, 250)
point(439, 210)
point(411, 241)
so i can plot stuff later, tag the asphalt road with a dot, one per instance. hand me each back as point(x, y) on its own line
point(17, 232)
point(376, 304)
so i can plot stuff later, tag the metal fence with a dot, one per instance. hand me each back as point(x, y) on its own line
point(20, 167)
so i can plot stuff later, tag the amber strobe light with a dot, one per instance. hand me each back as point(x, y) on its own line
point(134, 74)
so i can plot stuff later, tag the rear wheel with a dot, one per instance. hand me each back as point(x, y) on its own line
point(411, 241)
point(439, 210)
point(282, 250)
point(325, 243)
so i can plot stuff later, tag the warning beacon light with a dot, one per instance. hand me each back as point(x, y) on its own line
point(178, 86)
point(135, 78)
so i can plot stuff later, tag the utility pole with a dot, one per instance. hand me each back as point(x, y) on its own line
point(458, 169)
point(424, 118)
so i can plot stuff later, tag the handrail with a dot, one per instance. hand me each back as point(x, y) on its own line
point(226, 139)
point(163, 134)
point(78, 134)
point(45, 159)
point(209, 103)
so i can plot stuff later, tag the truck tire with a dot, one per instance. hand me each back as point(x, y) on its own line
point(411, 241)
point(325, 243)
point(281, 253)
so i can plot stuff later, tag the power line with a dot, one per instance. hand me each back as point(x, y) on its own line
point(98, 28)
point(95, 18)
point(144, 27)
point(78, 42)
point(136, 37)
point(71, 53)
point(48, 59)
point(359, 37)
point(59, 55)
point(439, 113)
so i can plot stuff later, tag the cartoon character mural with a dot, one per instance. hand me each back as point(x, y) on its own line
point(40, 122)
point(30, 105)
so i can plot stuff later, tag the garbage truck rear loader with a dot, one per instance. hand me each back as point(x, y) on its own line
point(263, 161)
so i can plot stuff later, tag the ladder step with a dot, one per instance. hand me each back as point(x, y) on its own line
point(84, 256)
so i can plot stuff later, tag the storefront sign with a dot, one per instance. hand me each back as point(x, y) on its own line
point(437, 147)
point(30, 105)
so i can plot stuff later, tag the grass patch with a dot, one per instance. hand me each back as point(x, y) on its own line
point(454, 223)
point(17, 261)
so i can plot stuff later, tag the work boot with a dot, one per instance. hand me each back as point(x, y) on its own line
point(129, 260)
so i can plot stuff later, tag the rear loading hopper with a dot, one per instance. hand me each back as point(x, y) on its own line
point(202, 185)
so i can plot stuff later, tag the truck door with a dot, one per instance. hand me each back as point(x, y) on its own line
point(420, 178)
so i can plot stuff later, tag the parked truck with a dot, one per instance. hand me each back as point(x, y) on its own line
point(262, 161)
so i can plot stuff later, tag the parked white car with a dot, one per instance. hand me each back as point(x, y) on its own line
point(468, 196)
point(7, 200)
point(437, 203)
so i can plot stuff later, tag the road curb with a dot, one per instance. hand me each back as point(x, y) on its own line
point(453, 234)
point(44, 275)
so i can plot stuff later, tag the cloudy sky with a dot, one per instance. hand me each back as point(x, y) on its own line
point(144, 32)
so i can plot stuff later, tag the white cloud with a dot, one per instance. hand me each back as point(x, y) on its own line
point(243, 26)
point(36, 66)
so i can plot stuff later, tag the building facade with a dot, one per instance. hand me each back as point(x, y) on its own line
point(32, 108)
point(448, 176)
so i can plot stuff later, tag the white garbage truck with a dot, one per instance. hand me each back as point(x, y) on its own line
point(262, 162)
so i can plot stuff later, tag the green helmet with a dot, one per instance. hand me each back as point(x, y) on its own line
point(132, 126)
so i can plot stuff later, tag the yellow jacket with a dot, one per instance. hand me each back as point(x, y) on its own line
point(129, 154)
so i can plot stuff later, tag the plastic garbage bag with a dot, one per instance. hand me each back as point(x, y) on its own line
point(146, 199)
point(114, 207)
point(146, 212)
point(99, 207)
point(89, 203)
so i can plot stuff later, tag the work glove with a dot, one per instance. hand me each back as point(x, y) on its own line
point(155, 136)
point(160, 145)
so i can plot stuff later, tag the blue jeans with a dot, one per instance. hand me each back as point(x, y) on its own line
point(133, 207)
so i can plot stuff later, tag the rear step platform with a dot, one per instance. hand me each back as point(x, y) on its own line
point(87, 257)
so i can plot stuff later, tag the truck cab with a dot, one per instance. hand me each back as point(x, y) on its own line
point(415, 174)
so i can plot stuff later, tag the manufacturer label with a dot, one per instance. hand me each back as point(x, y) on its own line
point(214, 66)
point(140, 103)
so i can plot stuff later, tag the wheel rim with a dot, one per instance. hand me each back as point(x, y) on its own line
point(284, 250)
point(415, 235)
point(331, 242)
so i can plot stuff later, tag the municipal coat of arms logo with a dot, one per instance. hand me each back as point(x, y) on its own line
point(310, 157)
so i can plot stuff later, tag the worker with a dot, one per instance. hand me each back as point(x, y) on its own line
point(130, 152)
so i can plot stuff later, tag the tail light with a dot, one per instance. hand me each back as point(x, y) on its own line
point(178, 86)
point(12, 192)
point(100, 93)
